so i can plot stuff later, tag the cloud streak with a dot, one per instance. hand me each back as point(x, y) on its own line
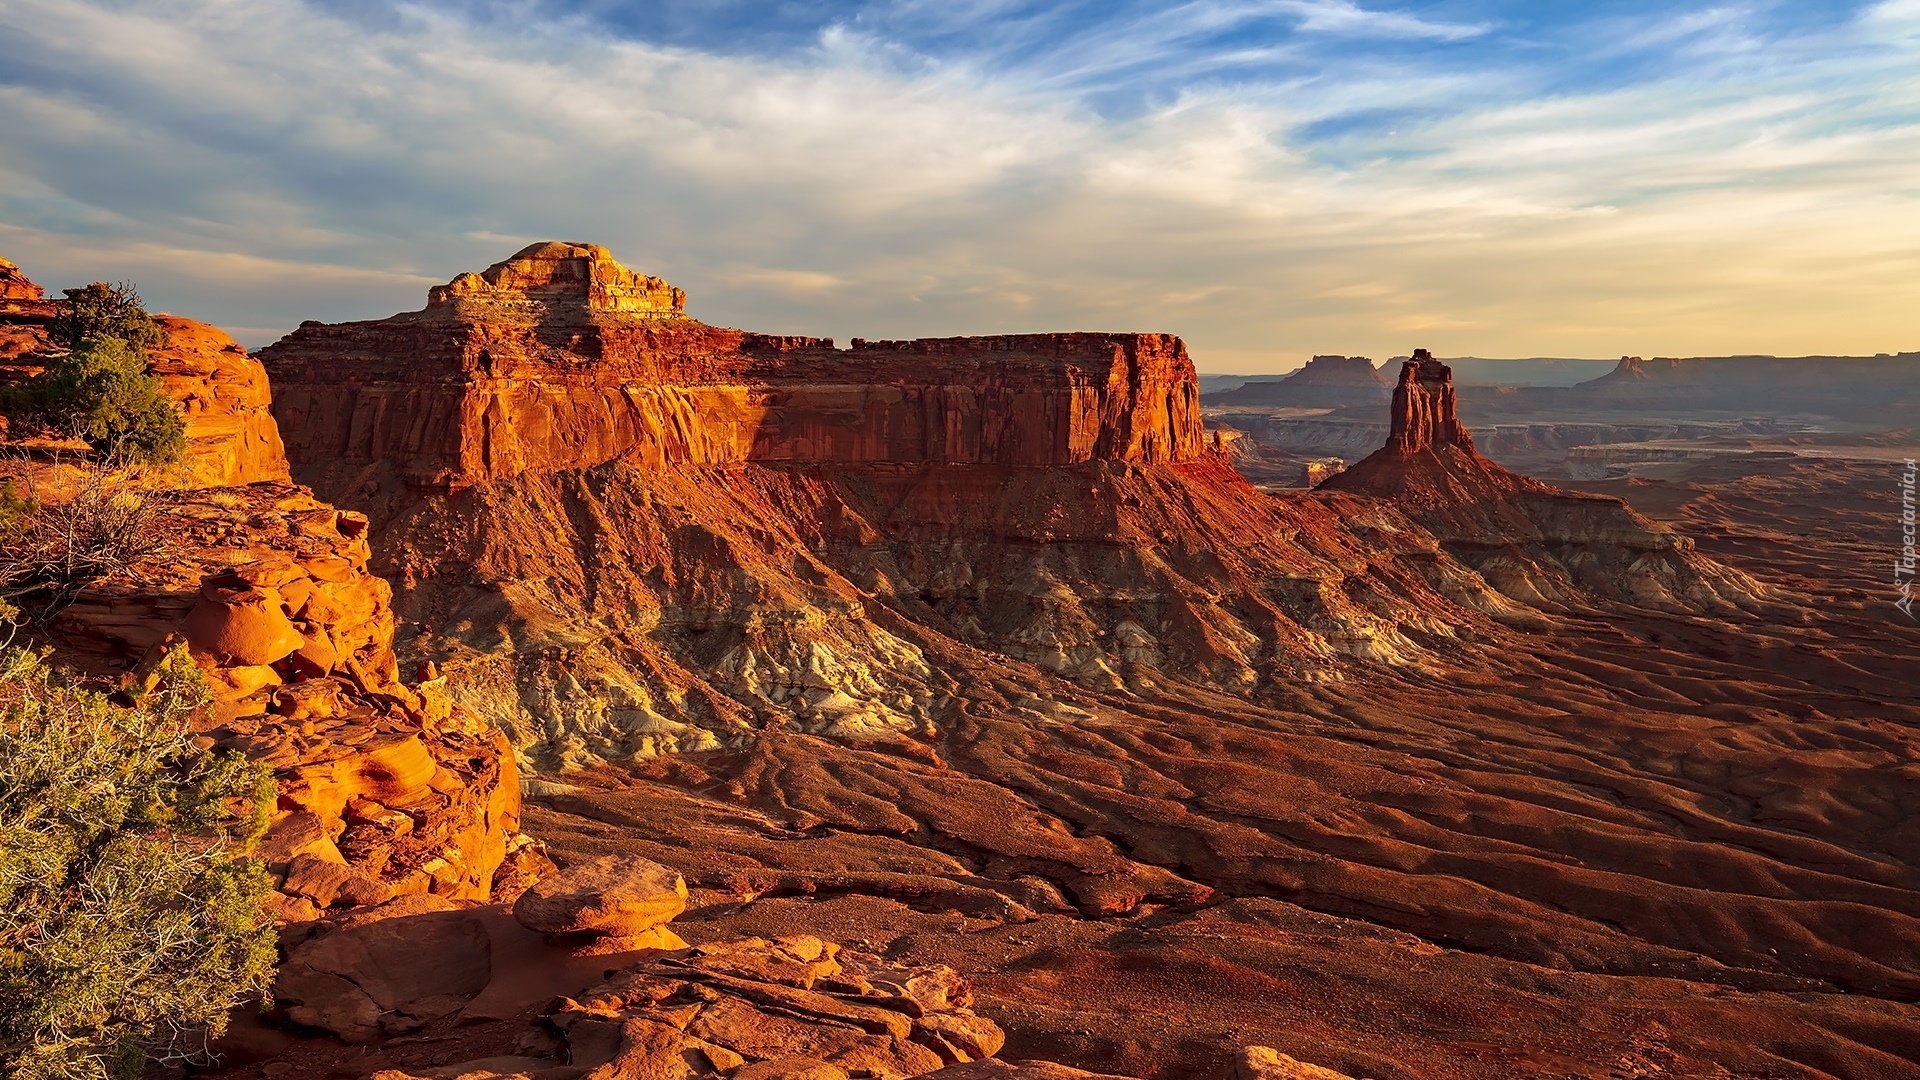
point(1211, 168)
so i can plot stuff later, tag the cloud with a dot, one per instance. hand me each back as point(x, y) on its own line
point(260, 162)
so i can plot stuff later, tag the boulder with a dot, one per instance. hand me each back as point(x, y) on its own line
point(1266, 1063)
point(240, 624)
point(614, 896)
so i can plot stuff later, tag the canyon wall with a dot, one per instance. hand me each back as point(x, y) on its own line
point(507, 372)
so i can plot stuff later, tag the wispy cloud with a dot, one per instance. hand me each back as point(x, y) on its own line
point(1271, 178)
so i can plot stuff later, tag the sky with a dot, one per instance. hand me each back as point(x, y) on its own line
point(1270, 179)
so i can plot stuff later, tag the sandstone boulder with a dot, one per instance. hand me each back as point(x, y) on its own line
point(615, 896)
point(1266, 1063)
point(240, 624)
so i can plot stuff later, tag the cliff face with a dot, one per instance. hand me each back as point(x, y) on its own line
point(222, 393)
point(220, 390)
point(547, 363)
point(1424, 411)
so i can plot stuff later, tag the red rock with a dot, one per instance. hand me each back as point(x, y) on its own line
point(557, 272)
point(615, 896)
point(1424, 411)
point(241, 625)
point(222, 392)
point(559, 358)
point(1266, 1063)
point(14, 285)
point(996, 1069)
point(384, 975)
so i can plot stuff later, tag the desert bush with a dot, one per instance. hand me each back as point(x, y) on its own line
point(100, 392)
point(103, 310)
point(49, 551)
point(131, 923)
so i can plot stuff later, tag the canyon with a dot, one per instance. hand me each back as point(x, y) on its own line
point(979, 662)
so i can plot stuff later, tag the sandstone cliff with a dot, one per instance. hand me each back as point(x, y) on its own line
point(220, 390)
point(625, 532)
point(556, 359)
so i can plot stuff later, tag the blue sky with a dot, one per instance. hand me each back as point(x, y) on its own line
point(1268, 178)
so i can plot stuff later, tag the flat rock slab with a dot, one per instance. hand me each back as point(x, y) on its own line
point(615, 896)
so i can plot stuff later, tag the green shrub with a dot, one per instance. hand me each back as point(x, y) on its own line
point(130, 921)
point(103, 310)
point(100, 392)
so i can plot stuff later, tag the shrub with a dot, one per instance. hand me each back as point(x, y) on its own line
point(130, 922)
point(48, 551)
point(100, 392)
point(103, 310)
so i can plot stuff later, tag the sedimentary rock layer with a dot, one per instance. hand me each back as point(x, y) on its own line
point(525, 376)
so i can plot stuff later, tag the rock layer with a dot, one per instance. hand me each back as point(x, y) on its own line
point(545, 364)
point(220, 390)
point(1424, 413)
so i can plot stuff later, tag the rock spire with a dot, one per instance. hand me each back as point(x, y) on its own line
point(1424, 413)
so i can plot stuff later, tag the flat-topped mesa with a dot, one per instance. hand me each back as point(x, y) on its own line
point(15, 285)
point(1336, 370)
point(497, 377)
point(1424, 414)
point(1326, 382)
point(564, 273)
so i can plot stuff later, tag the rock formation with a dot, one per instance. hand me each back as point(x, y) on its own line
point(14, 285)
point(1545, 548)
point(383, 788)
point(741, 1008)
point(553, 361)
point(564, 275)
point(220, 390)
point(1424, 411)
point(631, 533)
point(1326, 382)
point(222, 393)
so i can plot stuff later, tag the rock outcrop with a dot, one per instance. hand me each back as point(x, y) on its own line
point(24, 315)
point(15, 285)
point(554, 360)
point(384, 788)
point(741, 1008)
point(223, 396)
point(1425, 414)
point(221, 391)
point(566, 274)
point(1545, 548)
point(1266, 1063)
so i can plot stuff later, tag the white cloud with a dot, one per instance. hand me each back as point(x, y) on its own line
point(260, 162)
